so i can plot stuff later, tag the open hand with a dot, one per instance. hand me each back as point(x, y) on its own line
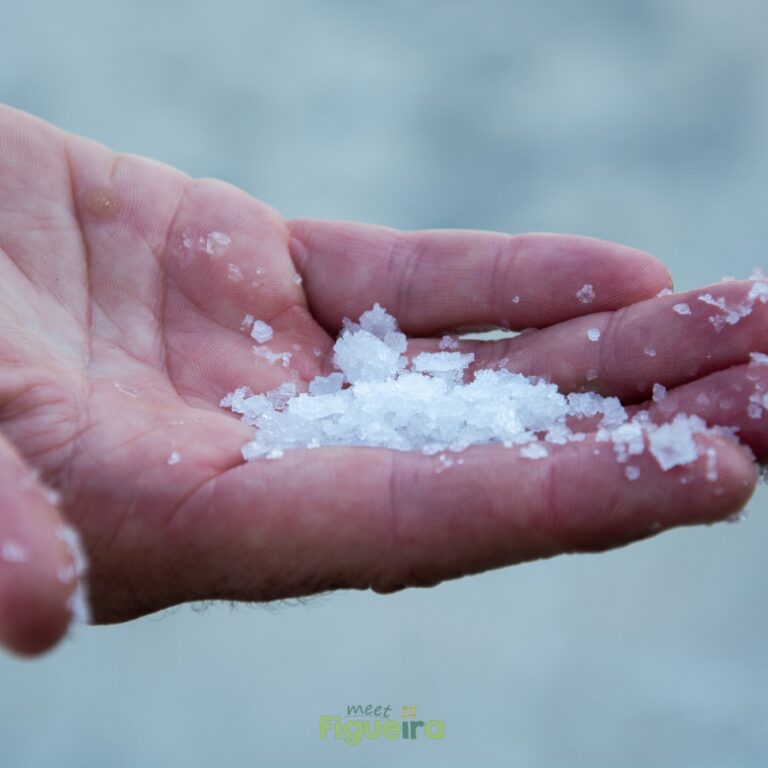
point(123, 285)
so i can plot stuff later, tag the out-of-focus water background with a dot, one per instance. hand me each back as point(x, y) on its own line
point(644, 122)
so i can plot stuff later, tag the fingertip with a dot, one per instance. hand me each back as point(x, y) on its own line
point(651, 275)
point(733, 476)
point(33, 612)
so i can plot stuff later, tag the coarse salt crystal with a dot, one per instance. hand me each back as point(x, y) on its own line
point(586, 294)
point(261, 331)
point(534, 451)
point(12, 552)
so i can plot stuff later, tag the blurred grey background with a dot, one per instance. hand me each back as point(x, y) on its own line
point(644, 122)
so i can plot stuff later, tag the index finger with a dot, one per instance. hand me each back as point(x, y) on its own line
point(436, 280)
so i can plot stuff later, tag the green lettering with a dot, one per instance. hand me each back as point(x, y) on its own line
point(353, 732)
point(434, 729)
point(327, 722)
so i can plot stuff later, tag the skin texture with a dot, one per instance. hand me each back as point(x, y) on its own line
point(120, 333)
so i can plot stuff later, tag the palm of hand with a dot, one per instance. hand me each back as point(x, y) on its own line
point(123, 288)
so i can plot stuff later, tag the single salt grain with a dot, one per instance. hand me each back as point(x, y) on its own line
point(593, 334)
point(515, 299)
point(682, 309)
point(591, 374)
point(297, 279)
point(754, 411)
point(445, 463)
point(448, 342)
point(261, 331)
point(586, 294)
point(659, 392)
point(247, 323)
point(174, 458)
point(758, 358)
point(52, 496)
point(534, 451)
point(650, 351)
point(12, 552)
point(632, 472)
point(664, 292)
point(234, 273)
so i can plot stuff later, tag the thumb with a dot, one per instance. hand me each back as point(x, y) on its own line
point(41, 564)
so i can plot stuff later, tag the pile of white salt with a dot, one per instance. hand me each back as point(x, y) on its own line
point(376, 397)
